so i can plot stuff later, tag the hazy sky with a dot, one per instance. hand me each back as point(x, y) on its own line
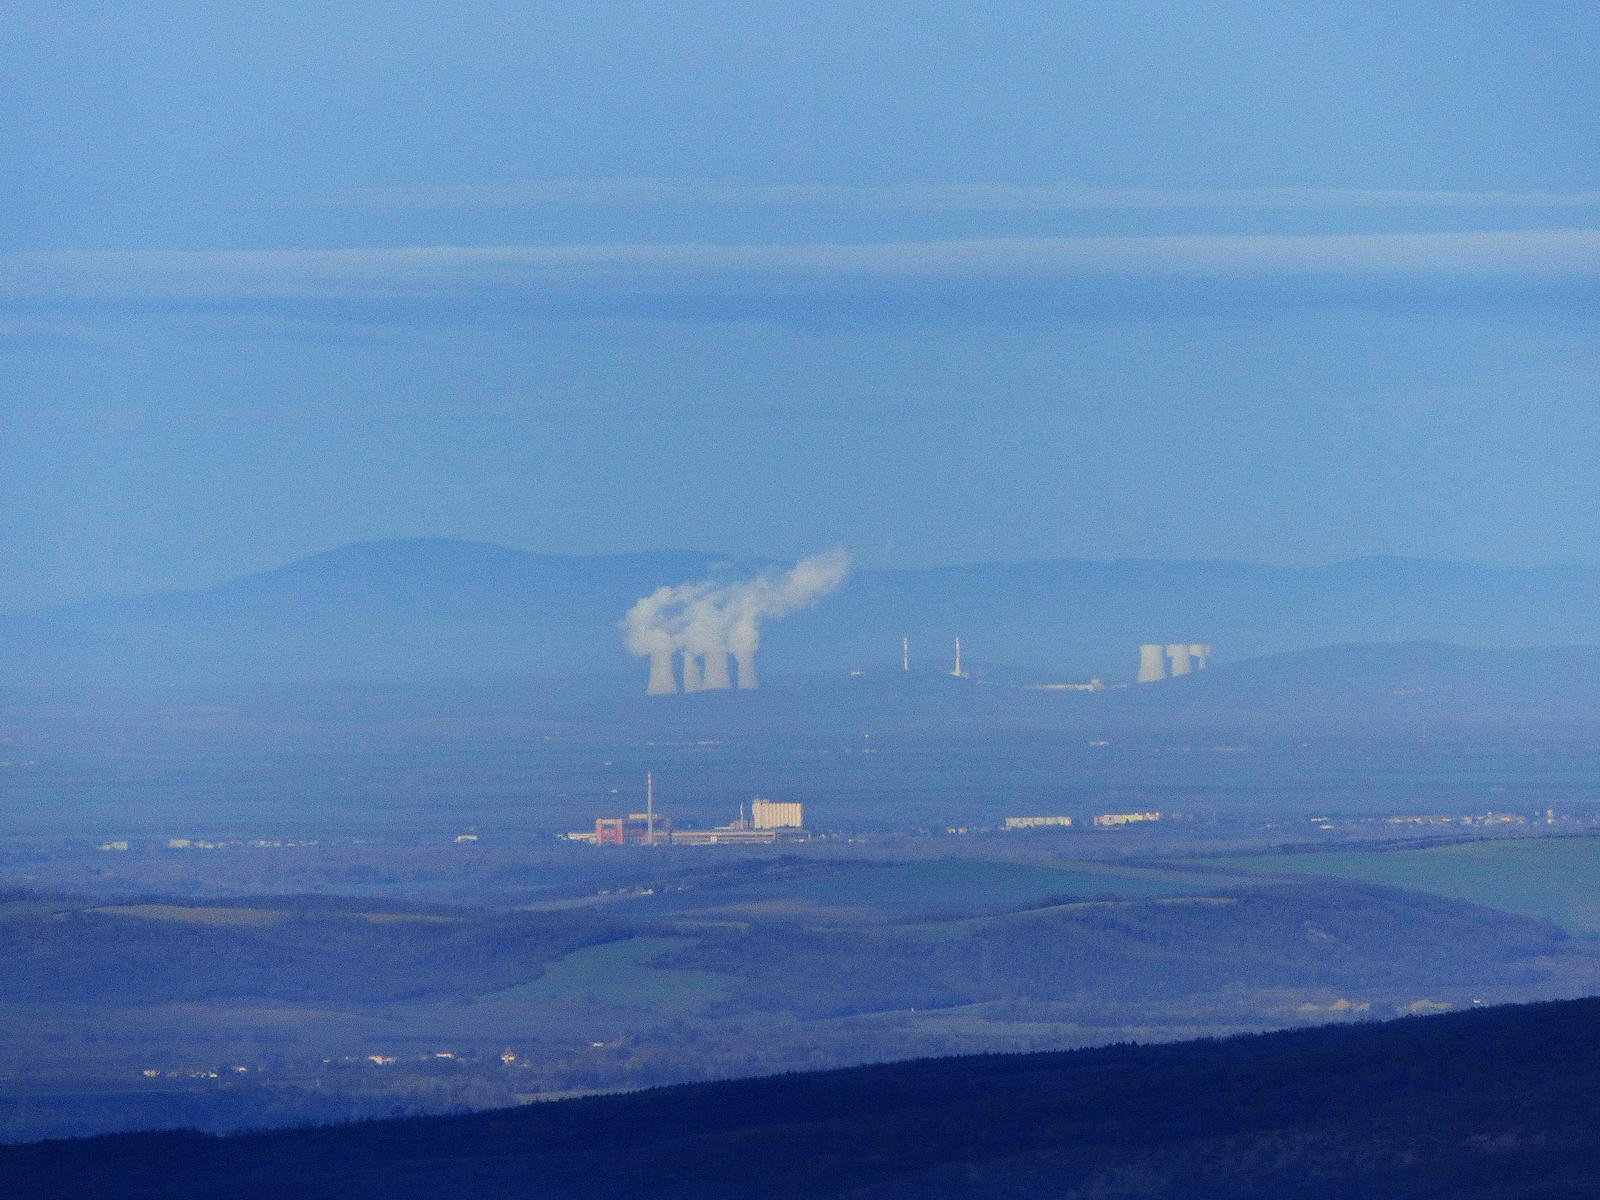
point(940, 282)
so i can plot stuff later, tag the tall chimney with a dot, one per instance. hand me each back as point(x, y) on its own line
point(905, 654)
point(957, 671)
point(691, 673)
point(716, 676)
point(1201, 653)
point(1152, 663)
point(662, 680)
point(1179, 654)
point(649, 808)
point(746, 658)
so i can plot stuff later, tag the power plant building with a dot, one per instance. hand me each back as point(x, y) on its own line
point(1115, 820)
point(640, 829)
point(767, 822)
point(1184, 657)
point(726, 835)
point(707, 672)
point(774, 814)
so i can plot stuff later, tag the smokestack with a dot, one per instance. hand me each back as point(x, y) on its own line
point(957, 671)
point(745, 656)
point(1179, 654)
point(649, 808)
point(1201, 653)
point(1152, 664)
point(716, 677)
point(691, 673)
point(905, 654)
point(662, 681)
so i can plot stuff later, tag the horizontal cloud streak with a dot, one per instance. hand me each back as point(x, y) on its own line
point(444, 272)
point(935, 198)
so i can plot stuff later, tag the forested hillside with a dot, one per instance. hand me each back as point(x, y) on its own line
point(253, 1012)
point(1485, 1105)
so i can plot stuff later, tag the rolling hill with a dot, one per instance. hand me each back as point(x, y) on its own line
point(1550, 879)
point(1492, 1104)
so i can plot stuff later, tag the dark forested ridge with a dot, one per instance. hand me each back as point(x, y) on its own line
point(1486, 1105)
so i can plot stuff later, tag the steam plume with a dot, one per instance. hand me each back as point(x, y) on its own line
point(707, 621)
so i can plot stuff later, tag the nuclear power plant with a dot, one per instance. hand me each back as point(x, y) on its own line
point(706, 672)
point(703, 637)
point(1183, 657)
point(703, 625)
point(764, 822)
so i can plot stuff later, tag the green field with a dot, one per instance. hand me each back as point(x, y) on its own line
point(1557, 879)
point(957, 886)
point(619, 975)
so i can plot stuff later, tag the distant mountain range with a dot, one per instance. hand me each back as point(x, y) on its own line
point(435, 609)
point(1495, 1104)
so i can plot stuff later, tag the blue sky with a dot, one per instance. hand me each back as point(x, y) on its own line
point(937, 282)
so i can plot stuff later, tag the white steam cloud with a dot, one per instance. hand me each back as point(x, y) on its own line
point(706, 622)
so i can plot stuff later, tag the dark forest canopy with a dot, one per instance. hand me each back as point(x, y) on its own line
point(1493, 1103)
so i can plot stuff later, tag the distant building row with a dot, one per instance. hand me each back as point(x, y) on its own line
point(1101, 821)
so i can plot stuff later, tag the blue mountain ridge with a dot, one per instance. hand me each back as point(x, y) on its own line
point(431, 609)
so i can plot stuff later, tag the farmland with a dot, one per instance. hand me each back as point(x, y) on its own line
point(668, 968)
point(1551, 879)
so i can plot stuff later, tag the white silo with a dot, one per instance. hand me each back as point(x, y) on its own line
point(716, 676)
point(662, 680)
point(745, 657)
point(691, 672)
point(1152, 663)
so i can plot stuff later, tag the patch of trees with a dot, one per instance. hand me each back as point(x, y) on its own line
point(1485, 1105)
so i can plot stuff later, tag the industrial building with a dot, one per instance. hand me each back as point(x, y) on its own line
point(1113, 820)
point(731, 835)
point(1037, 822)
point(774, 814)
point(763, 822)
point(1183, 657)
point(640, 829)
point(645, 829)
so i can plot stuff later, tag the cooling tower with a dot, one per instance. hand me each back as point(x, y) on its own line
point(747, 667)
point(691, 673)
point(1201, 653)
point(716, 676)
point(1152, 664)
point(662, 680)
point(1179, 654)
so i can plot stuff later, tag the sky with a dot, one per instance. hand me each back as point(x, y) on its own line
point(939, 283)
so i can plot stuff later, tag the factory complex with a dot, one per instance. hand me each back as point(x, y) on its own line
point(762, 822)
